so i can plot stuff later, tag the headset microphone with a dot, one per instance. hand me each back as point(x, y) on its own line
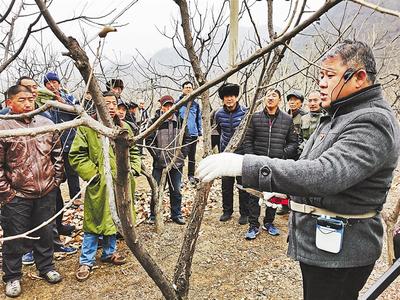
point(348, 74)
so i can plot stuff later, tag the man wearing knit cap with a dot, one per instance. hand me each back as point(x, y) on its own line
point(163, 148)
point(53, 84)
point(227, 118)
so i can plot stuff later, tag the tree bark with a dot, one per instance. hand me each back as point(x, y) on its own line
point(124, 202)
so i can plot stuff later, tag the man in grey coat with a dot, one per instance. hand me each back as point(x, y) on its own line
point(341, 180)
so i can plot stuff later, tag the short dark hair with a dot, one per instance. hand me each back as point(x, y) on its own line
point(114, 83)
point(23, 78)
point(187, 82)
point(109, 93)
point(276, 91)
point(15, 89)
point(355, 54)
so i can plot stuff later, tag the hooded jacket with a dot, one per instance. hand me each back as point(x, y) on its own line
point(87, 159)
point(164, 143)
point(346, 167)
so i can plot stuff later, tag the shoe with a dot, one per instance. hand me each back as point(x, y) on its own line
point(66, 250)
point(252, 233)
point(192, 180)
point(272, 230)
point(13, 288)
point(284, 210)
point(52, 277)
point(243, 220)
point(83, 272)
point(27, 259)
point(115, 259)
point(65, 229)
point(151, 220)
point(179, 220)
point(119, 236)
point(77, 202)
point(225, 217)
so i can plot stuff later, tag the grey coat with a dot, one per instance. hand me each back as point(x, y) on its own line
point(165, 141)
point(346, 167)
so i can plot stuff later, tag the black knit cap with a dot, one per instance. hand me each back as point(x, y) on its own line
point(114, 83)
point(228, 89)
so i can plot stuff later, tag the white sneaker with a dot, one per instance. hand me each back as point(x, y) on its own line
point(13, 288)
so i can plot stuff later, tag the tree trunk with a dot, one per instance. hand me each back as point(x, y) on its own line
point(124, 202)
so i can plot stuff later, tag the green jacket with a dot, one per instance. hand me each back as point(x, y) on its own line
point(86, 158)
point(309, 122)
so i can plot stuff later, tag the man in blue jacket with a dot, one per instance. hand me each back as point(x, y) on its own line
point(227, 118)
point(193, 129)
point(53, 84)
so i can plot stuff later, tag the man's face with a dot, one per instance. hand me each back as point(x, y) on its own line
point(111, 103)
point(294, 103)
point(230, 102)
point(117, 90)
point(30, 84)
point(187, 89)
point(314, 101)
point(53, 86)
point(331, 81)
point(121, 111)
point(271, 100)
point(133, 110)
point(166, 107)
point(141, 104)
point(23, 102)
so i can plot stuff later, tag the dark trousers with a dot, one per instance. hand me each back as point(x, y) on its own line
point(19, 216)
point(227, 196)
point(215, 141)
point(254, 212)
point(73, 187)
point(191, 152)
point(174, 178)
point(59, 206)
point(333, 283)
point(72, 177)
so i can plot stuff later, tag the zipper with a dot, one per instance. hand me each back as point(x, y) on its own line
point(270, 123)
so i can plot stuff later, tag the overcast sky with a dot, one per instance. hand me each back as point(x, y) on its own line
point(145, 17)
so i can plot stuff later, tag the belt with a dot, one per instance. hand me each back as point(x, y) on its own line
point(309, 209)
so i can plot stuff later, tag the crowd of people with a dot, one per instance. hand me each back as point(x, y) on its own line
point(275, 146)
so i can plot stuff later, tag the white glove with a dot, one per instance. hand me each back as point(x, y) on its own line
point(267, 195)
point(222, 164)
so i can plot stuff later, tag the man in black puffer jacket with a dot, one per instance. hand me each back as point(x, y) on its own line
point(270, 133)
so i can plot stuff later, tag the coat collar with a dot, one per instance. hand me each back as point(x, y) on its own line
point(356, 100)
point(233, 111)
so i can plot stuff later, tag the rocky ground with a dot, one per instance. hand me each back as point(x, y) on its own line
point(225, 266)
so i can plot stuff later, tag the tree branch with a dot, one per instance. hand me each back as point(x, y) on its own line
point(377, 8)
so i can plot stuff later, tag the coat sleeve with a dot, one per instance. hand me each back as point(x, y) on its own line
point(292, 142)
point(151, 140)
point(134, 156)
point(57, 158)
point(199, 120)
point(79, 156)
point(346, 163)
point(248, 141)
point(6, 192)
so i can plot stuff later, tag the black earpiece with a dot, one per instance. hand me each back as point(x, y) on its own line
point(348, 74)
